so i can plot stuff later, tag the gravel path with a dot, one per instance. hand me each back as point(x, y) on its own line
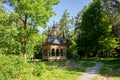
point(91, 72)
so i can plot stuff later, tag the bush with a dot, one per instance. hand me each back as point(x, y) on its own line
point(39, 70)
point(11, 67)
point(105, 70)
point(88, 64)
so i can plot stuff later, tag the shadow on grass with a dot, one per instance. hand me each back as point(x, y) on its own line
point(70, 65)
point(111, 68)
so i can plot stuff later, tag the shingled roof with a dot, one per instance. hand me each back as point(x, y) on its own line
point(55, 40)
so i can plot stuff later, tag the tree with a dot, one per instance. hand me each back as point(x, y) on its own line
point(8, 43)
point(95, 38)
point(112, 8)
point(77, 30)
point(64, 21)
point(28, 15)
point(66, 29)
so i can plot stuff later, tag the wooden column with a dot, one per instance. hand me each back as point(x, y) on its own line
point(55, 52)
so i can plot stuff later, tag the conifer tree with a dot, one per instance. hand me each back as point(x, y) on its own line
point(95, 38)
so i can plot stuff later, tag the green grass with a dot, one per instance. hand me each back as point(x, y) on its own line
point(65, 71)
point(58, 74)
point(15, 68)
point(110, 68)
point(60, 70)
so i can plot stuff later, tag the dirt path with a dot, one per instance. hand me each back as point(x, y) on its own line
point(91, 72)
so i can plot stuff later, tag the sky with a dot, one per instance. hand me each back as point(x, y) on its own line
point(73, 7)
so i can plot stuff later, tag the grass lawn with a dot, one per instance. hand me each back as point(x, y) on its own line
point(60, 70)
point(14, 67)
point(111, 69)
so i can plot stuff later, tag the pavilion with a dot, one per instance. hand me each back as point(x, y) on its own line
point(54, 48)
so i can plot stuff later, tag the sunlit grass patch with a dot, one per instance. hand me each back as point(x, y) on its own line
point(57, 74)
point(15, 68)
point(65, 70)
point(111, 68)
point(117, 77)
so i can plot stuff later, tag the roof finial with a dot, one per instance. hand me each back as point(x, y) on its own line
point(53, 22)
point(54, 29)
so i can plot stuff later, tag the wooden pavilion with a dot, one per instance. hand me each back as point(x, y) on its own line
point(54, 48)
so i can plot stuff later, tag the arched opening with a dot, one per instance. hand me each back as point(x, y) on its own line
point(61, 52)
point(53, 52)
point(57, 52)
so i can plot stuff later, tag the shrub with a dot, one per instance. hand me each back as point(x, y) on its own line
point(11, 67)
point(88, 64)
point(105, 70)
point(39, 70)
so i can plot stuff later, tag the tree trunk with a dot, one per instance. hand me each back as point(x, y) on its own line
point(98, 54)
point(25, 55)
point(25, 37)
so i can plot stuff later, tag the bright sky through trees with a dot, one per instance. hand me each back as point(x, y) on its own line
point(73, 7)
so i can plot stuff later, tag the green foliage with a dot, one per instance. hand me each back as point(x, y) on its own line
point(14, 67)
point(39, 69)
point(95, 38)
point(111, 7)
point(64, 21)
point(110, 64)
point(11, 67)
point(105, 70)
point(66, 30)
point(22, 24)
point(72, 51)
point(88, 64)
point(38, 11)
point(8, 40)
